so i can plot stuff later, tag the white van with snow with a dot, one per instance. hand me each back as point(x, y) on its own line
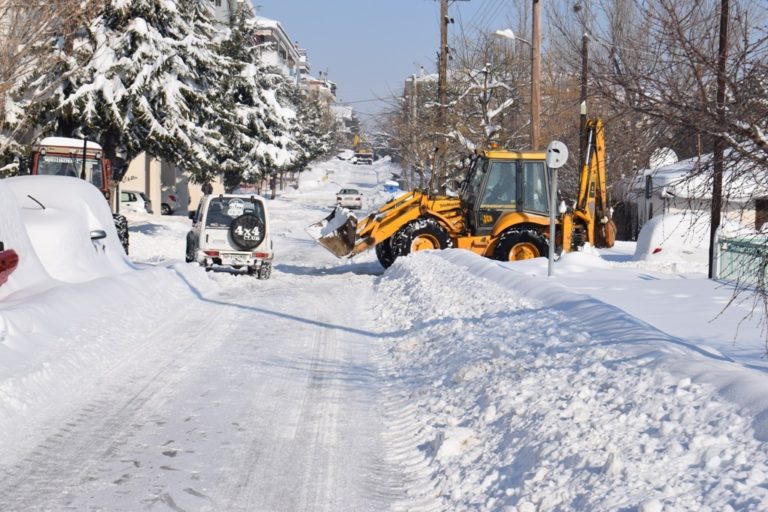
point(231, 230)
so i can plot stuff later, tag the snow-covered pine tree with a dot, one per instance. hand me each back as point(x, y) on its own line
point(260, 139)
point(316, 128)
point(143, 77)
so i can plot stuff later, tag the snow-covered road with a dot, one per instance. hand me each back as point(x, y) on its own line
point(250, 395)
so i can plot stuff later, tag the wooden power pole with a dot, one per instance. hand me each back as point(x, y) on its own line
point(718, 153)
point(442, 96)
point(536, 77)
point(442, 68)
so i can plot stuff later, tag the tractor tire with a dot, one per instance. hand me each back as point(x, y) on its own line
point(247, 231)
point(189, 253)
point(420, 235)
point(384, 253)
point(521, 244)
point(121, 225)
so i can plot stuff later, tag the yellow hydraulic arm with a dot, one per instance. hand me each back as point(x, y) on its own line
point(592, 202)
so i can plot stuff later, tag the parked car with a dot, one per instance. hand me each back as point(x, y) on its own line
point(349, 198)
point(132, 201)
point(169, 202)
point(231, 230)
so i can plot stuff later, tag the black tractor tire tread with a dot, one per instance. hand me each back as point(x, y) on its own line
point(384, 253)
point(515, 236)
point(121, 225)
point(402, 240)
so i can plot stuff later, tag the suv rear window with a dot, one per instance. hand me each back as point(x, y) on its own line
point(222, 210)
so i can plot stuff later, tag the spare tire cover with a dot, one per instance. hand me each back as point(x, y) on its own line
point(247, 231)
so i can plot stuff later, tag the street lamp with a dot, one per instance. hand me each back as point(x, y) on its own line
point(535, 81)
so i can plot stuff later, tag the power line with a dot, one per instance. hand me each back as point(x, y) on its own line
point(481, 12)
point(371, 100)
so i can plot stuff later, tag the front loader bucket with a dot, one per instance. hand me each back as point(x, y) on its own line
point(336, 232)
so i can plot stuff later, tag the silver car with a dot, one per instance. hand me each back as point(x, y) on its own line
point(349, 198)
point(169, 202)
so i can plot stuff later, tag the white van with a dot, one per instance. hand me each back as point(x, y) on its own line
point(231, 230)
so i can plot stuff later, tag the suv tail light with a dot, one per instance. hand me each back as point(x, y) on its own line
point(212, 254)
point(172, 197)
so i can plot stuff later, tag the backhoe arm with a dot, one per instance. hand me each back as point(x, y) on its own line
point(592, 202)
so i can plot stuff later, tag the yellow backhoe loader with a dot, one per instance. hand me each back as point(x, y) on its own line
point(502, 212)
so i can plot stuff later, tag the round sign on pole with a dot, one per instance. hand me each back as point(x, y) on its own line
point(557, 154)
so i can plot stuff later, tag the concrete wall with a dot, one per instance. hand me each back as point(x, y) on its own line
point(154, 176)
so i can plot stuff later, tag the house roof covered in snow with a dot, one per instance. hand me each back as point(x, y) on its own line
point(692, 178)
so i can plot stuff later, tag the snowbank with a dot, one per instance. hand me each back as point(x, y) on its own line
point(531, 397)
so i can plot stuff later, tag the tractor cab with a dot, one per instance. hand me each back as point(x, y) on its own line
point(502, 182)
point(60, 156)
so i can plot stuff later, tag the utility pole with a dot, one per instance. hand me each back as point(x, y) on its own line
point(442, 92)
point(413, 116)
point(717, 177)
point(442, 69)
point(442, 96)
point(536, 76)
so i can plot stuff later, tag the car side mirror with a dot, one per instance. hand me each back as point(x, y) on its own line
point(98, 234)
point(191, 215)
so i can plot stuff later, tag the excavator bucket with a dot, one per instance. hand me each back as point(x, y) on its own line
point(336, 232)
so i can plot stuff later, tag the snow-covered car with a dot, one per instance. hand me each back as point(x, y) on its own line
point(349, 198)
point(137, 202)
point(231, 230)
point(62, 231)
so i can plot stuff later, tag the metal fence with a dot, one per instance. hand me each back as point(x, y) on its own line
point(743, 260)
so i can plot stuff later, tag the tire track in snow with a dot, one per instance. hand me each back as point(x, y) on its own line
point(319, 447)
point(56, 469)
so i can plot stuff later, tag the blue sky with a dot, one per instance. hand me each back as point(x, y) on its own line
point(370, 47)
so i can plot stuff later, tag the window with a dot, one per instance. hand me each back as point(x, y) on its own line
point(535, 187)
point(221, 211)
point(500, 189)
point(59, 165)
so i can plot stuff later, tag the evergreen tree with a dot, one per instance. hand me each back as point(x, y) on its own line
point(316, 128)
point(143, 77)
point(259, 137)
point(159, 76)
